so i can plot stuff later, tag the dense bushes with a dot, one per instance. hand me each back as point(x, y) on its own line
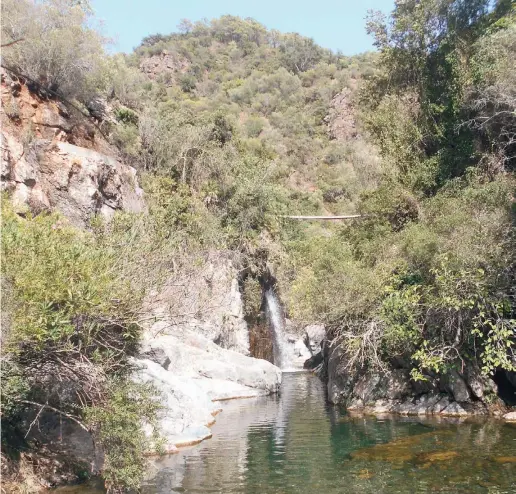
point(428, 275)
point(54, 46)
point(73, 320)
point(267, 93)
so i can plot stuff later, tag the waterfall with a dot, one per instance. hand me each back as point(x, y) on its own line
point(277, 325)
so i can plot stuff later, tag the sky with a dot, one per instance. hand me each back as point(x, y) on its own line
point(334, 24)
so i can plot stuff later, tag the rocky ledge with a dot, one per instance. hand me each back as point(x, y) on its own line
point(461, 392)
point(194, 375)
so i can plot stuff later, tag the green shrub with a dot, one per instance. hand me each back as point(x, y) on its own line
point(58, 49)
point(74, 308)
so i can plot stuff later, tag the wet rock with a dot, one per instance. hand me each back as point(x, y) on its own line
point(380, 392)
point(505, 459)
point(454, 410)
point(340, 380)
point(428, 404)
point(438, 456)
point(313, 362)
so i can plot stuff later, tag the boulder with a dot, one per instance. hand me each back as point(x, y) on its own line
point(454, 410)
point(187, 409)
point(455, 385)
point(340, 380)
point(193, 375)
point(314, 336)
point(480, 386)
point(193, 355)
point(510, 417)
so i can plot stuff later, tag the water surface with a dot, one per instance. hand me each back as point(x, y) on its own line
point(295, 443)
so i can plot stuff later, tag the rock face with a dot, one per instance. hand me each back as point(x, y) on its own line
point(341, 118)
point(196, 351)
point(54, 160)
point(78, 182)
point(164, 63)
point(194, 375)
point(204, 298)
point(393, 391)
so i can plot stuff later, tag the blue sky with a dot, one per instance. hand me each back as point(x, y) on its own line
point(333, 24)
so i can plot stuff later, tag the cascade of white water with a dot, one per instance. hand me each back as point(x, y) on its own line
point(277, 323)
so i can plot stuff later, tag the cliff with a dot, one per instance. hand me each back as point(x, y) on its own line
point(56, 159)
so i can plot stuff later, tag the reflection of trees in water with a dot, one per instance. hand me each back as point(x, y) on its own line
point(296, 444)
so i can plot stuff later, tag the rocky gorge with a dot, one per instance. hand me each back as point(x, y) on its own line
point(195, 348)
point(231, 223)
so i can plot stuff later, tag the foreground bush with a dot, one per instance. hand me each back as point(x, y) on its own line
point(72, 322)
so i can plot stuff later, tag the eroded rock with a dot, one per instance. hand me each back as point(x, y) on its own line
point(193, 375)
point(78, 182)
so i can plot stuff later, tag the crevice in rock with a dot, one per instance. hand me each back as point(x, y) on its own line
point(253, 286)
point(506, 387)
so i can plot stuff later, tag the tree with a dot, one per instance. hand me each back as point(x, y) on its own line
point(57, 49)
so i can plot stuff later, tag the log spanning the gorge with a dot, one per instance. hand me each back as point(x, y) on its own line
point(324, 218)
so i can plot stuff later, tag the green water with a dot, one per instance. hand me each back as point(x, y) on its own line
point(295, 444)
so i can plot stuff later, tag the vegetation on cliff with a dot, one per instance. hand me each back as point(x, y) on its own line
point(427, 278)
point(232, 125)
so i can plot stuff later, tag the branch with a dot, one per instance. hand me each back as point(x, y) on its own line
point(60, 412)
point(35, 420)
point(12, 43)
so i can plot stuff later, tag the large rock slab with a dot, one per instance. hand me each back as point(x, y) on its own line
point(203, 297)
point(313, 337)
point(191, 354)
point(194, 375)
point(78, 182)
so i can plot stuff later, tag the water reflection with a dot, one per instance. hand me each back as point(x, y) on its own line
point(295, 444)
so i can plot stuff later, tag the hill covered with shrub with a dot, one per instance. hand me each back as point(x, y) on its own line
point(232, 125)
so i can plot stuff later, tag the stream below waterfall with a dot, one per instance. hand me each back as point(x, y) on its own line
point(295, 443)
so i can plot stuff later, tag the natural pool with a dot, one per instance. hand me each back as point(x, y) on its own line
point(295, 443)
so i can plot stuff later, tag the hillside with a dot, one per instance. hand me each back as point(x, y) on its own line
point(142, 223)
point(276, 99)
